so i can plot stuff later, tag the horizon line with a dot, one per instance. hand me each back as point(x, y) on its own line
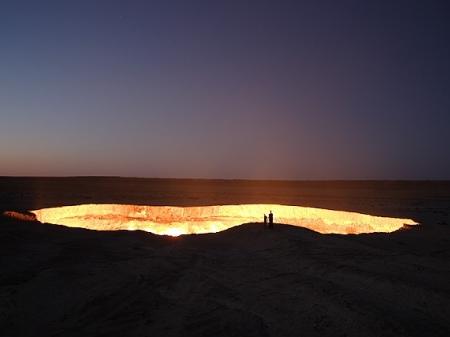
point(227, 179)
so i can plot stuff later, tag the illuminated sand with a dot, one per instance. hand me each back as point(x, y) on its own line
point(168, 220)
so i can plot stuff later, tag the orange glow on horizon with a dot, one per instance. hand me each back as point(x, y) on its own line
point(175, 221)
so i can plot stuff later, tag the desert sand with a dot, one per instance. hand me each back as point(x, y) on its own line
point(245, 281)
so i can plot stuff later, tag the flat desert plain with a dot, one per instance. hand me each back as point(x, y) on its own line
point(244, 281)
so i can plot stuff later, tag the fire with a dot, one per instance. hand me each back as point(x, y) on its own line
point(175, 221)
point(174, 231)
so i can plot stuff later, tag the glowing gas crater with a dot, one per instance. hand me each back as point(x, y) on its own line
point(167, 220)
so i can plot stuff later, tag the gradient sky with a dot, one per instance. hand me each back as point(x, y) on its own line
point(226, 89)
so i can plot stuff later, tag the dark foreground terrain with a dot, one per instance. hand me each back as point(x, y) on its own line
point(247, 281)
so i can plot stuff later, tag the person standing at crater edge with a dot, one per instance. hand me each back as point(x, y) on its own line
point(265, 220)
point(270, 219)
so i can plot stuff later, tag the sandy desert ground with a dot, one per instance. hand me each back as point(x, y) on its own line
point(246, 281)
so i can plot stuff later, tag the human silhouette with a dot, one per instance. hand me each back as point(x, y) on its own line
point(265, 220)
point(270, 219)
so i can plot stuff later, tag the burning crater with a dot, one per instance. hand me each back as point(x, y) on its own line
point(168, 220)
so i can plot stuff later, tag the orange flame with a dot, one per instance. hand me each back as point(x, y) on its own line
point(174, 221)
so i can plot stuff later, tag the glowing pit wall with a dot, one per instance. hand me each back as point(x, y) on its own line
point(167, 220)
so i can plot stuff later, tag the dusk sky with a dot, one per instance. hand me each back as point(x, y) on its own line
point(226, 89)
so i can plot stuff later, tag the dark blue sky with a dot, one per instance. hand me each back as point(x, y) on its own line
point(226, 89)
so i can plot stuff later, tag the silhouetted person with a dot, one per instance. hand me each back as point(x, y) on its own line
point(265, 220)
point(270, 219)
